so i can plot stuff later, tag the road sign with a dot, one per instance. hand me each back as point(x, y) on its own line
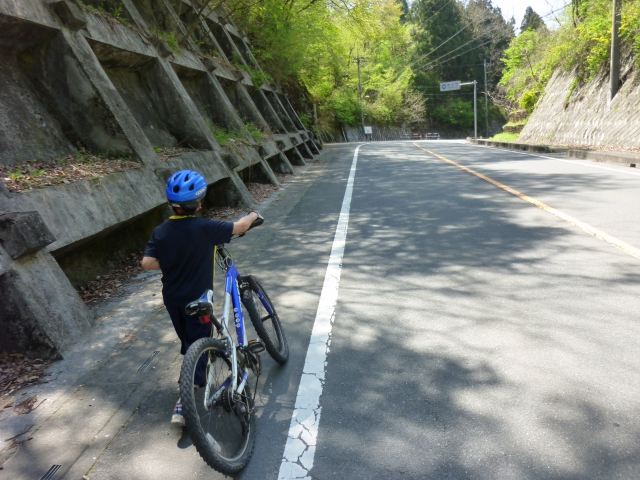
point(448, 86)
point(368, 131)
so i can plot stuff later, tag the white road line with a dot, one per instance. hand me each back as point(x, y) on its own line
point(300, 449)
point(576, 162)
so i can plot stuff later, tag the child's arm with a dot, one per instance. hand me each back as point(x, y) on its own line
point(244, 223)
point(150, 263)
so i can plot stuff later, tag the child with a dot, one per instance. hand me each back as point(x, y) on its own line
point(182, 247)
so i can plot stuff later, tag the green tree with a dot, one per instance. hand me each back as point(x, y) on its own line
point(316, 45)
point(451, 42)
point(531, 20)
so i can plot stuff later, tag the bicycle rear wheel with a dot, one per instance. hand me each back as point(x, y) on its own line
point(224, 431)
point(265, 321)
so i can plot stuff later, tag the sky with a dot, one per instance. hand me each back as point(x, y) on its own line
point(517, 8)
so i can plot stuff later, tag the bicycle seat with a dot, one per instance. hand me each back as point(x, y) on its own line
point(202, 306)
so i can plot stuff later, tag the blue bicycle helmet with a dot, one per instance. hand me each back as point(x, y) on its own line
point(186, 189)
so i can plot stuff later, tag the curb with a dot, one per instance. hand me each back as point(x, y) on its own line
point(615, 158)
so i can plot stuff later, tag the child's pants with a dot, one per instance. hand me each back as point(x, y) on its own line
point(189, 329)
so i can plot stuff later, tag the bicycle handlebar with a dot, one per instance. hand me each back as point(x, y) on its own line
point(257, 222)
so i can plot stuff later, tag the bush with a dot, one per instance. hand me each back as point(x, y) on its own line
point(454, 111)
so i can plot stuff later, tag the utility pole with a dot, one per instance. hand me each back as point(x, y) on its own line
point(360, 92)
point(448, 87)
point(475, 109)
point(614, 76)
point(486, 102)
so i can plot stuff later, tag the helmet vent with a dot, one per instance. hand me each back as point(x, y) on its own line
point(185, 186)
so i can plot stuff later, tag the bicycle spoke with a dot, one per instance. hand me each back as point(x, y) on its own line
point(222, 436)
point(266, 322)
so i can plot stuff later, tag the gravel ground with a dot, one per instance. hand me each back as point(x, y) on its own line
point(18, 371)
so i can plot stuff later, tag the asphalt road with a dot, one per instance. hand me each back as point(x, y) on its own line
point(475, 336)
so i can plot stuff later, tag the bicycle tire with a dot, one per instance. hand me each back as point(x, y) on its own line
point(232, 438)
point(268, 327)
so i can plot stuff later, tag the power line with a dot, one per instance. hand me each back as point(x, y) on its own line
point(556, 10)
point(448, 53)
point(430, 65)
point(455, 49)
point(441, 8)
point(443, 43)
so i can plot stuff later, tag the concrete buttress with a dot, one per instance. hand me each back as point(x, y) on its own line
point(79, 80)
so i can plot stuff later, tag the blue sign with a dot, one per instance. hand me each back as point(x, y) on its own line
point(449, 86)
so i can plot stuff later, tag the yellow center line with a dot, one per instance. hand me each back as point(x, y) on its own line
point(567, 218)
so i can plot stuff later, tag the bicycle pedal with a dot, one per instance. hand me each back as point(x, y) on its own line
point(255, 346)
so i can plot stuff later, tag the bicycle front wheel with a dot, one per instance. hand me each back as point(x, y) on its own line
point(265, 320)
point(220, 422)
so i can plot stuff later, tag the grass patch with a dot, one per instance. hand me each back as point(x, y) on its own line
point(254, 131)
point(100, 9)
point(224, 135)
point(171, 40)
point(258, 77)
point(505, 137)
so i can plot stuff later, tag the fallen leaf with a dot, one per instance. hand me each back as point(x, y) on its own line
point(26, 405)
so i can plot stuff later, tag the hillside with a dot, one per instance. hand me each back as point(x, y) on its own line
point(560, 76)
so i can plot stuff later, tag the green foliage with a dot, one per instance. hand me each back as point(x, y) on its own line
point(224, 135)
point(170, 38)
point(531, 20)
point(582, 44)
point(31, 175)
point(258, 77)
point(505, 137)
point(451, 40)
point(238, 61)
point(528, 100)
point(344, 105)
point(305, 119)
point(254, 131)
point(455, 112)
point(315, 44)
point(98, 6)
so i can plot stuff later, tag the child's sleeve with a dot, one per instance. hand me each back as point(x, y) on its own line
point(219, 232)
point(151, 250)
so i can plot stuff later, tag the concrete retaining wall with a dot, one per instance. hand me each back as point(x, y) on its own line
point(73, 78)
point(586, 117)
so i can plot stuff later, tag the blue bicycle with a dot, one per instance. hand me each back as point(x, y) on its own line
point(217, 404)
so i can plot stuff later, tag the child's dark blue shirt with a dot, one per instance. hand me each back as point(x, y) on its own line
point(184, 249)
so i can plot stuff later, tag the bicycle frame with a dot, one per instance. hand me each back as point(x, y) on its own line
point(231, 301)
